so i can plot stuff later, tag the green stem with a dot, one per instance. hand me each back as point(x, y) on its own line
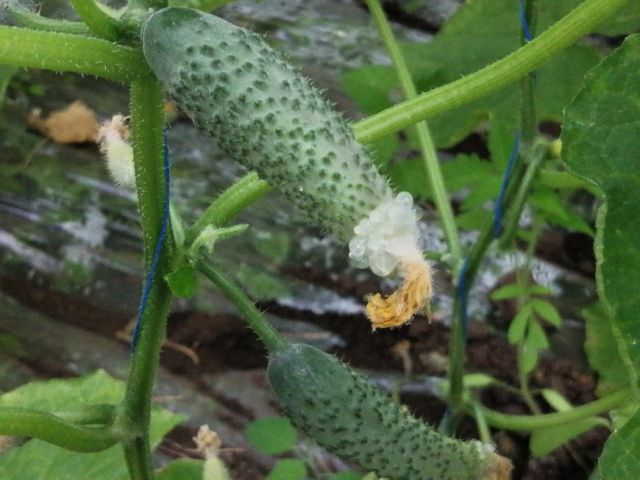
point(529, 423)
point(457, 340)
point(481, 423)
point(226, 206)
point(99, 18)
point(55, 430)
point(512, 218)
point(522, 279)
point(271, 339)
point(63, 52)
point(425, 141)
point(582, 20)
point(23, 17)
point(147, 121)
point(528, 116)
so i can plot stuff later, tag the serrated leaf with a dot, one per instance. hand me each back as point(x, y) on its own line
point(547, 311)
point(182, 469)
point(38, 460)
point(546, 440)
point(601, 139)
point(518, 325)
point(183, 282)
point(271, 435)
point(602, 351)
point(619, 459)
point(557, 211)
point(288, 469)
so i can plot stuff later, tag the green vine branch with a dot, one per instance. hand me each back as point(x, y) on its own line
point(64, 52)
point(231, 202)
point(99, 18)
point(147, 121)
point(271, 339)
point(23, 17)
point(56, 430)
point(528, 423)
point(429, 154)
point(582, 20)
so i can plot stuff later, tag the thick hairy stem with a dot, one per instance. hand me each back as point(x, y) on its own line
point(147, 120)
point(63, 52)
point(23, 17)
point(99, 18)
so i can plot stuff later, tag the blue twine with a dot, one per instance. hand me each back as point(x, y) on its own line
point(499, 208)
point(160, 243)
point(526, 31)
point(463, 296)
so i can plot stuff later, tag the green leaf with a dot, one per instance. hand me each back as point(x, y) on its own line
point(288, 469)
point(547, 311)
point(620, 460)
point(182, 469)
point(183, 282)
point(546, 440)
point(6, 74)
point(273, 245)
point(518, 325)
point(271, 435)
point(557, 211)
point(63, 394)
point(602, 351)
point(370, 87)
point(627, 20)
point(506, 292)
point(346, 476)
point(38, 460)
point(601, 139)
point(562, 180)
point(556, 400)
point(410, 176)
point(536, 337)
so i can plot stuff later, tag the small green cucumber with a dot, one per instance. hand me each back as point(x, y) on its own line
point(265, 115)
point(351, 417)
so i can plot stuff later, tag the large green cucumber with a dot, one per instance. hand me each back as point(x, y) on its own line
point(351, 417)
point(265, 115)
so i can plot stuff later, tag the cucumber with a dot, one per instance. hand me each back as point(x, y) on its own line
point(265, 115)
point(351, 417)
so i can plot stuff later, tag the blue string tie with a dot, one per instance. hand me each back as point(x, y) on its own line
point(159, 244)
